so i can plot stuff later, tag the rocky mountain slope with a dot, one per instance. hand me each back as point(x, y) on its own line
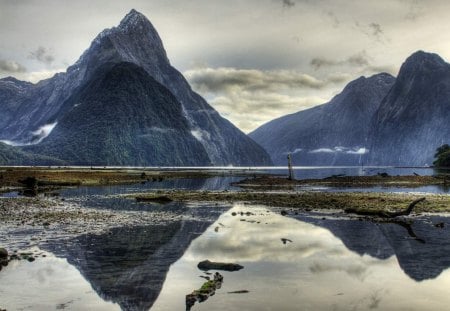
point(414, 118)
point(374, 121)
point(335, 133)
point(34, 110)
point(123, 117)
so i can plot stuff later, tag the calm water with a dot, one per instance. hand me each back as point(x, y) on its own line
point(328, 262)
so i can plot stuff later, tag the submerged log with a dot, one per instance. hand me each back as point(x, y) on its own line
point(384, 214)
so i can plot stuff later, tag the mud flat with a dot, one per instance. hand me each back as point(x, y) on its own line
point(384, 180)
point(66, 176)
point(34, 220)
point(307, 201)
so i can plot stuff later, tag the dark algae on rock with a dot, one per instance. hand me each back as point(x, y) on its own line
point(207, 290)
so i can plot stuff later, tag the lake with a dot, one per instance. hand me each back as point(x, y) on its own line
point(299, 261)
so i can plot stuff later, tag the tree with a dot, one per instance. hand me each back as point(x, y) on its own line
point(442, 156)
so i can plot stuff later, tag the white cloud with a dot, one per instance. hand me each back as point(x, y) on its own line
point(340, 149)
point(43, 132)
point(37, 76)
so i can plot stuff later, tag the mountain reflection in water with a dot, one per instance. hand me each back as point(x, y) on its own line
point(421, 248)
point(128, 266)
point(331, 264)
point(310, 261)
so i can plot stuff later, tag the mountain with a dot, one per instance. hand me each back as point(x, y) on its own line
point(413, 120)
point(335, 133)
point(122, 116)
point(46, 107)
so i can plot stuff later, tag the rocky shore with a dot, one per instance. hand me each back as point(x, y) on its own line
point(29, 222)
point(11, 177)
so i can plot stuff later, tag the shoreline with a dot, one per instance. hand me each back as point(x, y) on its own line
point(306, 200)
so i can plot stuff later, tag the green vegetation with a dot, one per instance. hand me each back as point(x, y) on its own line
point(442, 156)
point(10, 155)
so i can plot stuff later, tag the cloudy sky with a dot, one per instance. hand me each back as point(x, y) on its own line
point(253, 60)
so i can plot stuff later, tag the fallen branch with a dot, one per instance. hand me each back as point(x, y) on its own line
point(385, 214)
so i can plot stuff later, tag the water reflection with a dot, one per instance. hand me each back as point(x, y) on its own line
point(48, 284)
point(213, 183)
point(128, 266)
point(331, 264)
point(421, 248)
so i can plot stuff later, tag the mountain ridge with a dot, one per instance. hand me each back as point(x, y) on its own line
point(136, 41)
point(334, 133)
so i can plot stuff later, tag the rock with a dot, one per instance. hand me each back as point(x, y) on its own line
point(209, 265)
point(3, 253)
point(439, 225)
point(244, 291)
point(284, 240)
point(284, 213)
point(157, 199)
point(208, 289)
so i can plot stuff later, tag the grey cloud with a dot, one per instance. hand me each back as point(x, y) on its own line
point(220, 79)
point(11, 66)
point(42, 55)
point(319, 62)
point(359, 59)
point(372, 30)
point(415, 9)
point(292, 3)
point(376, 29)
point(288, 3)
point(334, 19)
point(266, 94)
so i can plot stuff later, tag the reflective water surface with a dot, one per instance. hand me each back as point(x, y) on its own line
point(303, 261)
point(331, 264)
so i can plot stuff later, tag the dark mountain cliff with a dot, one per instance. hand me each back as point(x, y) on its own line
point(414, 118)
point(135, 41)
point(122, 116)
point(335, 133)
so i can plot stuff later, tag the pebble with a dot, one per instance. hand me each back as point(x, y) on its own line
point(3, 253)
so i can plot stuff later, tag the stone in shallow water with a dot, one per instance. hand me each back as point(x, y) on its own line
point(209, 265)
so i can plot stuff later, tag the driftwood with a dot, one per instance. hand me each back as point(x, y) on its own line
point(385, 214)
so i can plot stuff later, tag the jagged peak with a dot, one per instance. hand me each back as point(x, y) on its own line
point(133, 18)
point(134, 25)
point(15, 81)
point(10, 79)
point(421, 55)
point(421, 60)
point(376, 79)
